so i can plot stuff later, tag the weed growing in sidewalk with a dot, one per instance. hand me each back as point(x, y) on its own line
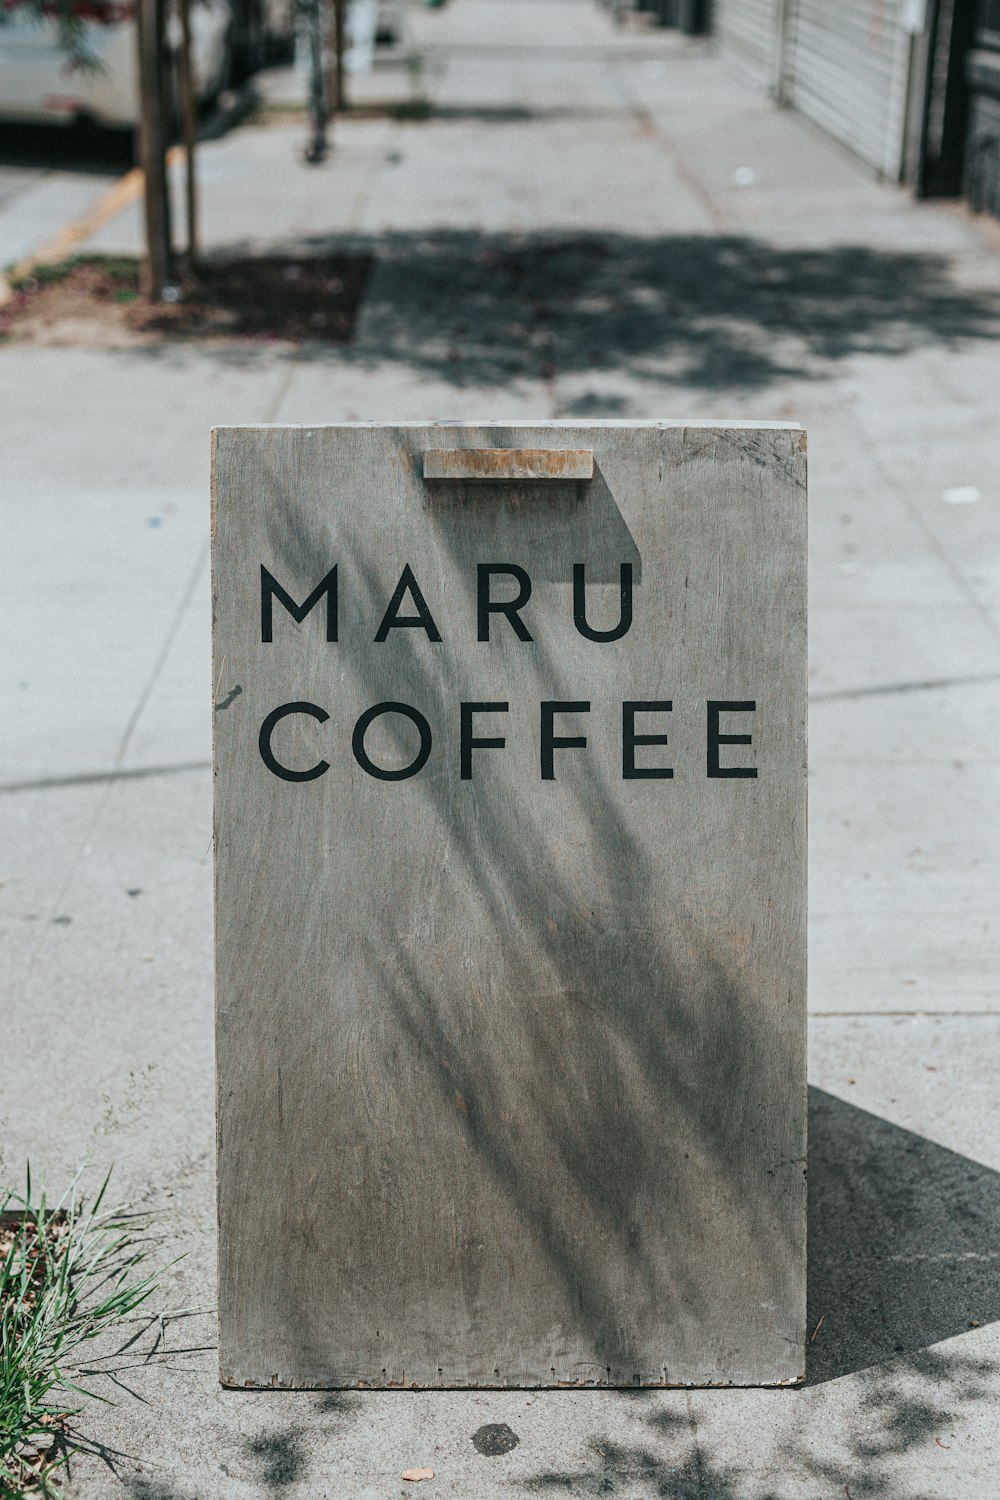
point(68, 1272)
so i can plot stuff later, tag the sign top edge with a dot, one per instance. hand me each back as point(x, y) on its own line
point(521, 423)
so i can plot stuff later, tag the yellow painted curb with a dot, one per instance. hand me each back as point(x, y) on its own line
point(62, 245)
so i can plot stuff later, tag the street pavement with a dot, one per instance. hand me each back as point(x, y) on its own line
point(594, 223)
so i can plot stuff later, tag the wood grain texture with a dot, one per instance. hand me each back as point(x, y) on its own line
point(511, 1071)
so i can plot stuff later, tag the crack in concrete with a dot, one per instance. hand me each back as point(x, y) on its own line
point(925, 686)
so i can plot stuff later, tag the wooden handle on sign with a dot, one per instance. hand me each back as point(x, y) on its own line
point(508, 463)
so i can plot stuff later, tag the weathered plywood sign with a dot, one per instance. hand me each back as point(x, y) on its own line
point(510, 862)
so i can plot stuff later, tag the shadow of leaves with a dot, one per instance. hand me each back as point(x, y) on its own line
point(281, 1456)
point(703, 312)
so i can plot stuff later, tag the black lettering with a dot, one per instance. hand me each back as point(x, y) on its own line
point(361, 729)
point(270, 589)
point(393, 620)
point(264, 742)
point(630, 771)
point(717, 706)
point(508, 607)
point(468, 740)
point(580, 605)
point(552, 742)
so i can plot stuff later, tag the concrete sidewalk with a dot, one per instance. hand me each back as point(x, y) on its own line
point(593, 223)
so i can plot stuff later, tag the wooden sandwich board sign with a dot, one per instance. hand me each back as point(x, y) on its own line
point(510, 904)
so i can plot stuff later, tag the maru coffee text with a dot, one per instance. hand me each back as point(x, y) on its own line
point(469, 741)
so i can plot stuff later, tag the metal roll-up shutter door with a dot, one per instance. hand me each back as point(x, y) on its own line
point(982, 143)
point(749, 30)
point(846, 66)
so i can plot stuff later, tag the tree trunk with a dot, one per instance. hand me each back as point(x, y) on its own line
point(153, 142)
point(189, 108)
point(318, 104)
point(340, 46)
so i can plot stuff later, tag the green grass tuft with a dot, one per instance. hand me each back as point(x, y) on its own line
point(68, 1272)
point(50, 273)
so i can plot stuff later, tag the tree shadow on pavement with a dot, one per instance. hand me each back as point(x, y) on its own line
point(711, 1452)
point(281, 1457)
point(725, 312)
point(714, 1453)
point(139, 1487)
point(699, 313)
point(903, 1236)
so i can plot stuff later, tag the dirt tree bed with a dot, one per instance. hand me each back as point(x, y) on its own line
point(95, 300)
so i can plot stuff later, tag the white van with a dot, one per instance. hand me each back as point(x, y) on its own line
point(39, 84)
